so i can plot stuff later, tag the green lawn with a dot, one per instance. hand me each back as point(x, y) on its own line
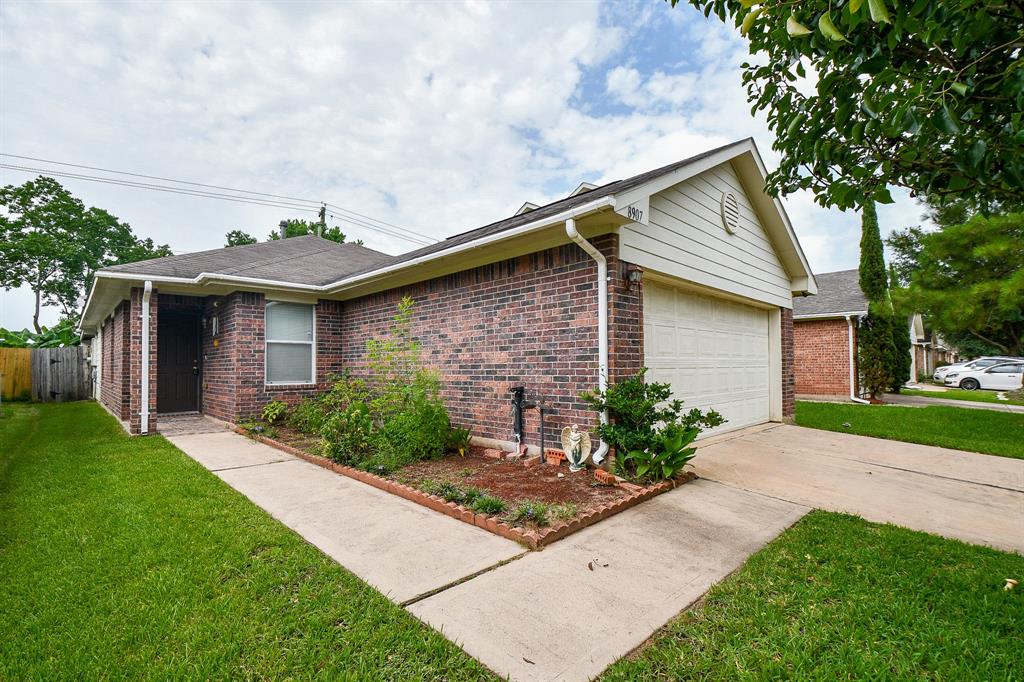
point(979, 396)
point(837, 598)
point(122, 558)
point(961, 428)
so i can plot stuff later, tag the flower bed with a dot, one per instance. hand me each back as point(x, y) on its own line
point(571, 501)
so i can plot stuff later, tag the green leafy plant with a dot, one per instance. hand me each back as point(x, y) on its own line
point(488, 504)
point(274, 411)
point(401, 417)
point(564, 511)
point(347, 434)
point(308, 416)
point(644, 425)
point(671, 453)
point(255, 428)
point(458, 440)
point(59, 335)
point(864, 95)
point(528, 512)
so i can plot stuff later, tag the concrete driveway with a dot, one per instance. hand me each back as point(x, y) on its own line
point(969, 496)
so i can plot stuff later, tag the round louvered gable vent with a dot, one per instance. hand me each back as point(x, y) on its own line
point(730, 212)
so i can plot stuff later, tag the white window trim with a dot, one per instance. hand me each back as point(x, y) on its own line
point(266, 342)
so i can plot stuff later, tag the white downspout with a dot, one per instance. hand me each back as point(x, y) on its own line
point(602, 323)
point(144, 389)
point(853, 372)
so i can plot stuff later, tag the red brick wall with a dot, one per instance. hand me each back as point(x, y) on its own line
point(790, 384)
point(114, 382)
point(134, 361)
point(528, 321)
point(233, 371)
point(822, 357)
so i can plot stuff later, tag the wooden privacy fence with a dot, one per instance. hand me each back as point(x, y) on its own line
point(47, 374)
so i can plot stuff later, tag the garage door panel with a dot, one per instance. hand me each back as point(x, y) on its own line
point(714, 352)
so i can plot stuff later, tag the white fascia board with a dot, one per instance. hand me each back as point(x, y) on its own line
point(603, 202)
point(204, 278)
point(831, 316)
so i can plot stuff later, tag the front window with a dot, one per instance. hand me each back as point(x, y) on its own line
point(290, 355)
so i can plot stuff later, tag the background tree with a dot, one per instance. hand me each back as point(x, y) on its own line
point(296, 227)
point(876, 350)
point(238, 238)
point(52, 243)
point(922, 95)
point(969, 280)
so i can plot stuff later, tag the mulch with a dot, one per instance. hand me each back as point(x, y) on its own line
point(513, 482)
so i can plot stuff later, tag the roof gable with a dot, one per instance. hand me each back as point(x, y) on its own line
point(839, 293)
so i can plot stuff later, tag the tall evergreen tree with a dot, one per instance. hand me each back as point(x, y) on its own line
point(901, 363)
point(875, 347)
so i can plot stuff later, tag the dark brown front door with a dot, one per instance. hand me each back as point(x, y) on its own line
point(177, 360)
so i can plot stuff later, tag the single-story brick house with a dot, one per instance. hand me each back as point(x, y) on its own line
point(689, 269)
point(825, 337)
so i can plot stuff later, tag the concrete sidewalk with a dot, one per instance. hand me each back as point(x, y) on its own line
point(964, 495)
point(571, 610)
point(564, 613)
point(402, 549)
point(924, 401)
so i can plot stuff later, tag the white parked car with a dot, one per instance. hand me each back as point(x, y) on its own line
point(1005, 376)
point(978, 363)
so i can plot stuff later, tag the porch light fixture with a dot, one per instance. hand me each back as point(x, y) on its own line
point(634, 275)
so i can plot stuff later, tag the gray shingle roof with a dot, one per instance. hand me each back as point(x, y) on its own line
point(311, 260)
point(553, 208)
point(301, 260)
point(838, 292)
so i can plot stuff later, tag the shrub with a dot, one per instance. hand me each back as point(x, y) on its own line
point(347, 434)
point(649, 432)
point(274, 411)
point(308, 416)
point(488, 504)
point(395, 419)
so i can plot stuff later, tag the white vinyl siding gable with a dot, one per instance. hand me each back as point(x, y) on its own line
point(686, 239)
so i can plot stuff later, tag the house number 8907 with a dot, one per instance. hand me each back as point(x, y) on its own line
point(635, 214)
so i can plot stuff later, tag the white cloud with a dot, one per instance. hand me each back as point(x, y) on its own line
point(438, 117)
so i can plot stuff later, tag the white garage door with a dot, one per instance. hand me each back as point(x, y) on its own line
point(714, 352)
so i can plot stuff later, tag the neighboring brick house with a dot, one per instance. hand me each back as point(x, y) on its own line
point(825, 333)
point(702, 267)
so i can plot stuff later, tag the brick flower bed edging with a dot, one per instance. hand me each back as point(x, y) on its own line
point(534, 539)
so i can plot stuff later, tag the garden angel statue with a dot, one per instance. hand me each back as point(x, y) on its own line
point(576, 445)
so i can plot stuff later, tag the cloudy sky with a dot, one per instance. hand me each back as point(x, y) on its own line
point(439, 117)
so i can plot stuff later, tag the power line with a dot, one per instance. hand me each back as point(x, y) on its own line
point(342, 209)
point(206, 195)
point(377, 228)
point(158, 188)
point(157, 177)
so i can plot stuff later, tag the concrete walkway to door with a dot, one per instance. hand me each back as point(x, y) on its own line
point(564, 613)
point(965, 495)
point(401, 548)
